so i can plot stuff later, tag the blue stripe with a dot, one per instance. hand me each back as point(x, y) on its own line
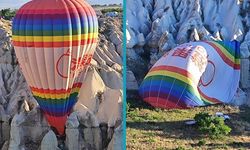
point(56, 109)
point(164, 87)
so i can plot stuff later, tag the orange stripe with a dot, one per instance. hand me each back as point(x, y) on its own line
point(53, 11)
point(55, 91)
point(175, 70)
point(54, 44)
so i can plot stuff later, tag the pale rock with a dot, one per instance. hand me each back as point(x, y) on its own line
point(137, 21)
point(94, 62)
point(119, 49)
point(72, 121)
point(99, 59)
point(93, 138)
point(4, 131)
point(116, 57)
point(94, 85)
point(16, 140)
point(72, 138)
point(111, 98)
point(86, 117)
point(131, 81)
point(116, 143)
point(115, 38)
point(5, 146)
point(194, 35)
point(72, 132)
point(166, 42)
point(49, 141)
point(244, 74)
point(104, 56)
point(111, 78)
point(224, 34)
point(245, 46)
point(25, 107)
point(240, 98)
point(3, 116)
point(131, 40)
point(117, 67)
point(141, 39)
point(112, 54)
point(131, 54)
point(217, 13)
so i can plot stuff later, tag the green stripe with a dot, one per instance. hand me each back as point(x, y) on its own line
point(55, 101)
point(52, 32)
point(229, 49)
point(170, 79)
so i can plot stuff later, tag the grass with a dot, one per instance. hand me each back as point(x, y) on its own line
point(159, 129)
point(119, 10)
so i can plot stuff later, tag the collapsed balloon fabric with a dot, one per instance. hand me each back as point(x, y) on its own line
point(54, 41)
point(194, 74)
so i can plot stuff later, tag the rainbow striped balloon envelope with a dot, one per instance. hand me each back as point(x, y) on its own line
point(194, 74)
point(54, 41)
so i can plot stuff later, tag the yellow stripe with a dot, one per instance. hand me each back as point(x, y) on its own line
point(18, 38)
point(55, 96)
point(228, 55)
point(206, 100)
point(177, 76)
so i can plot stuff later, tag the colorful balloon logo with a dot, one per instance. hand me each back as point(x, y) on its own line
point(54, 41)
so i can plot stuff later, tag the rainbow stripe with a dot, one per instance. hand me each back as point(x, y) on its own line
point(170, 87)
point(57, 102)
point(60, 24)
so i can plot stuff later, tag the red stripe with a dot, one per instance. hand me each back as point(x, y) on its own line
point(54, 44)
point(173, 69)
point(55, 91)
point(54, 7)
point(224, 57)
point(54, 11)
point(211, 99)
point(52, 16)
point(163, 103)
point(57, 122)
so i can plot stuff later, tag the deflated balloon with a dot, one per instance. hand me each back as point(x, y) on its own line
point(54, 41)
point(194, 74)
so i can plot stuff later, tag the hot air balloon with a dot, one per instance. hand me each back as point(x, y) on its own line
point(194, 74)
point(54, 41)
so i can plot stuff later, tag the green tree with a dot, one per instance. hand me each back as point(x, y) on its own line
point(8, 13)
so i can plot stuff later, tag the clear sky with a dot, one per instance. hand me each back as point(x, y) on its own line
point(19, 3)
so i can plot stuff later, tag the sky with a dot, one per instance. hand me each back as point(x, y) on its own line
point(18, 3)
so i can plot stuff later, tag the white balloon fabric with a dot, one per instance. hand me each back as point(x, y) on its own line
point(194, 74)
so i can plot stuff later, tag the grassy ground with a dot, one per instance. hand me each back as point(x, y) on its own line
point(157, 129)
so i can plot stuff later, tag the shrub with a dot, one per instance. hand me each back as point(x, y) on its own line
point(201, 142)
point(7, 14)
point(119, 10)
point(180, 148)
point(212, 126)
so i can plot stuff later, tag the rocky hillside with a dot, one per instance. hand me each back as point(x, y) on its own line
point(155, 26)
point(92, 125)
